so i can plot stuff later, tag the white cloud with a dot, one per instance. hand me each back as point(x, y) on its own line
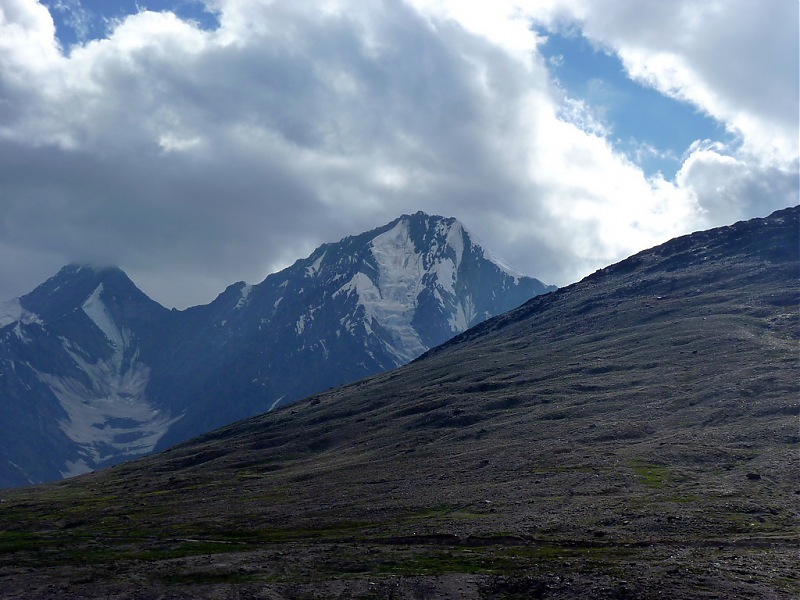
point(730, 188)
point(195, 158)
point(735, 60)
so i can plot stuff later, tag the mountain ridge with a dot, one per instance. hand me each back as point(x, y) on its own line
point(115, 374)
point(680, 256)
point(632, 433)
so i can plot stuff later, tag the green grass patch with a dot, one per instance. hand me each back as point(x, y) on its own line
point(427, 513)
point(453, 512)
point(440, 563)
point(77, 549)
point(191, 548)
point(12, 541)
point(544, 553)
point(652, 475)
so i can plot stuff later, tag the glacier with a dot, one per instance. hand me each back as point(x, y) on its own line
point(108, 412)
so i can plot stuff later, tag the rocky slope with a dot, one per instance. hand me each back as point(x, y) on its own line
point(630, 436)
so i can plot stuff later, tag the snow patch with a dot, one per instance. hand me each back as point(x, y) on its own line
point(313, 269)
point(392, 313)
point(403, 271)
point(21, 472)
point(300, 326)
point(274, 404)
point(455, 239)
point(245, 291)
point(97, 311)
point(12, 311)
point(18, 332)
point(464, 315)
point(393, 301)
point(501, 264)
point(108, 412)
point(446, 272)
point(75, 468)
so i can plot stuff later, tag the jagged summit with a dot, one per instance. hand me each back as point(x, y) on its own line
point(76, 278)
point(72, 286)
point(420, 278)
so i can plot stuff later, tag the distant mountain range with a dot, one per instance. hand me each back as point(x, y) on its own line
point(633, 435)
point(93, 372)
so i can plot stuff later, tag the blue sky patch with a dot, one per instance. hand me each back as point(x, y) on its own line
point(79, 21)
point(652, 129)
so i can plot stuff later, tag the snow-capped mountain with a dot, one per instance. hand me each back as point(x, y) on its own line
point(93, 372)
point(74, 377)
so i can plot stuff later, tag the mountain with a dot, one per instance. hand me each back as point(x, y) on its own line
point(93, 372)
point(633, 435)
point(366, 304)
point(74, 374)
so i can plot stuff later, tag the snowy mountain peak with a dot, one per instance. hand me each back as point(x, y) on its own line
point(83, 274)
point(422, 251)
point(410, 284)
point(68, 289)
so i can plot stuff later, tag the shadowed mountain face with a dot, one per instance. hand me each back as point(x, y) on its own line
point(93, 372)
point(629, 436)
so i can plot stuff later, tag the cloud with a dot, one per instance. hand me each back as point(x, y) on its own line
point(735, 60)
point(730, 188)
point(194, 158)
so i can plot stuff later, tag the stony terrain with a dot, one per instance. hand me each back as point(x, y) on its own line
point(634, 435)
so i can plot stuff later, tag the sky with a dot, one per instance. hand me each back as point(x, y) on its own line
point(196, 143)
